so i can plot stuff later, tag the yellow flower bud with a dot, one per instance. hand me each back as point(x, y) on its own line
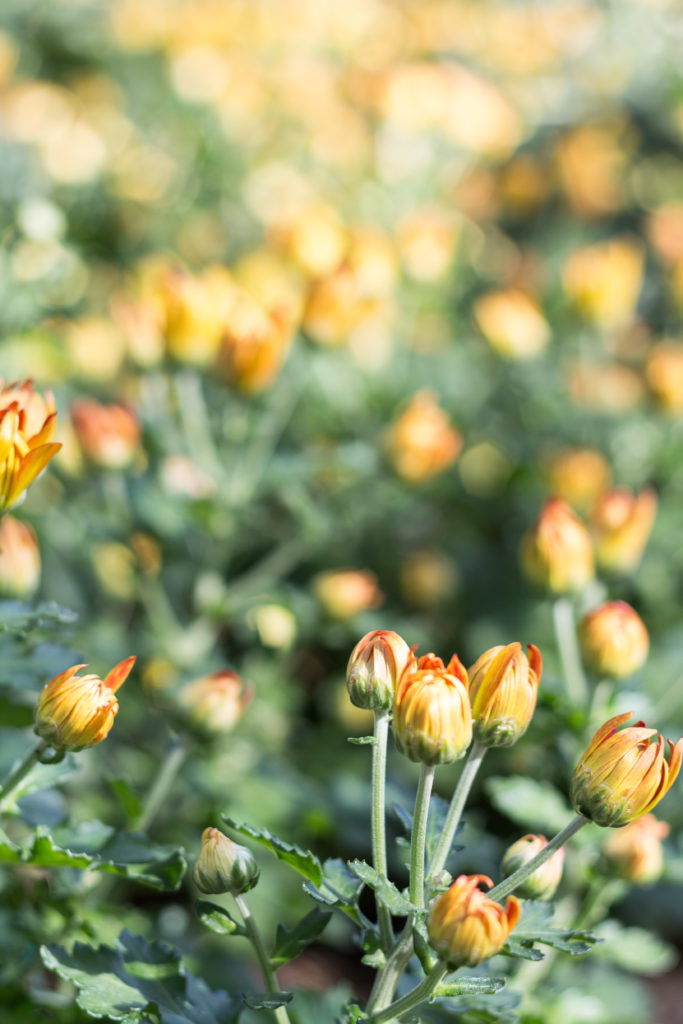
point(75, 711)
point(466, 927)
point(19, 559)
point(604, 281)
point(215, 703)
point(344, 593)
point(27, 423)
point(557, 553)
point(224, 866)
point(374, 668)
point(254, 345)
point(578, 475)
point(422, 442)
point(108, 434)
point(545, 880)
point(621, 523)
point(614, 640)
point(432, 712)
point(635, 851)
point(664, 374)
point(512, 323)
point(503, 690)
point(622, 775)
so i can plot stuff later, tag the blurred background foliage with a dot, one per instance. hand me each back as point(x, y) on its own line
point(331, 298)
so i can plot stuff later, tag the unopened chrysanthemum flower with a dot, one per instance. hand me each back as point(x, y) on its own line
point(578, 475)
point(78, 711)
point(224, 866)
point(545, 880)
point(664, 372)
point(614, 640)
point(215, 703)
point(344, 593)
point(27, 423)
point(19, 559)
point(557, 552)
point(466, 926)
point(621, 523)
point(604, 280)
point(635, 851)
point(432, 712)
point(512, 323)
point(422, 441)
point(375, 665)
point(622, 773)
point(254, 345)
point(503, 690)
point(108, 434)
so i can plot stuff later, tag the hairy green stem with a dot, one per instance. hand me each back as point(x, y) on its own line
point(419, 835)
point(20, 770)
point(411, 999)
point(267, 971)
point(388, 978)
point(508, 885)
point(170, 766)
point(378, 828)
point(458, 800)
point(570, 656)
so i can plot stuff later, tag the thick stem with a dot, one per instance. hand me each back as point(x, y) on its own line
point(267, 971)
point(20, 771)
point(570, 656)
point(419, 836)
point(170, 766)
point(508, 885)
point(458, 800)
point(379, 842)
point(413, 998)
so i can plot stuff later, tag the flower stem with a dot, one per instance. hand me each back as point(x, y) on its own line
point(170, 766)
point(19, 772)
point(419, 835)
point(413, 998)
point(458, 800)
point(508, 885)
point(267, 971)
point(570, 656)
point(378, 829)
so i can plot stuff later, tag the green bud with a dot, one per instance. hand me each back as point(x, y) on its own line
point(224, 866)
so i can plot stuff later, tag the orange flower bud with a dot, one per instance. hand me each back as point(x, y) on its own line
point(545, 880)
point(344, 593)
point(557, 552)
point(466, 927)
point(664, 374)
point(215, 703)
point(622, 775)
point(621, 523)
point(75, 711)
point(635, 851)
point(374, 668)
point(578, 475)
point(27, 423)
point(19, 559)
point(432, 712)
point(255, 343)
point(108, 434)
point(422, 442)
point(614, 640)
point(512, 323)
point(503, 689)
point(224, 866)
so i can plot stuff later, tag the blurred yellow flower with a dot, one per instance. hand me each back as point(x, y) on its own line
point(422, 442)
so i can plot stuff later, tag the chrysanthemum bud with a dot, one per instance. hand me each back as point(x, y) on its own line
point(27, 423)
point(19, 559)
point(635, 851)
point(215, 703)
point(512, 323)
point(344, 593)
point(622, 775)
point(503, 690)
point(578, 475)
point(621, 523)
point(374, 668)
point(422, 442)
point(224, 866)
point(432, 712)
point(545, 880)
point(614, 640)
point(557, 552)
point(108, 434)
point(75, 711)
point(466, 927)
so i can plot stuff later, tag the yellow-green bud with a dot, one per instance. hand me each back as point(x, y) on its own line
point(545, 880)
point(224, 866)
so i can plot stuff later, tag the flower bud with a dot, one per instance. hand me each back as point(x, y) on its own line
point(614, 640)
point(422, 442)
point(466, 927)
point(512, 323)
point(215, 703)
point(432, 712)
point(108, 434)
point(374, 668)
point(621, 523)
point(224, 866)
point(254, 345)
point(503, 689)
point(545, 880)
point(27, 423)
point(578, 475)
point(557, 552)
point(622, 775)
point(344, 593)
point(19, 559)
point(635, 851)
point(75, 711)
point(664, 372)
point(604, 280)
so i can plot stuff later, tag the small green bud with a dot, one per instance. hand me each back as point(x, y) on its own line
point(224, 866)
point(545, 880)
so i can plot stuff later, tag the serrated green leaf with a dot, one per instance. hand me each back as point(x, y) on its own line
point(535, 926)
point(217, 919)
point(16, 617)
point(536, 805)
point(385, 890)
point(137, 979)
point(303, 861)
point(470, 986)
point(290, 942)
point(339, 888)
point(266, 1000)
